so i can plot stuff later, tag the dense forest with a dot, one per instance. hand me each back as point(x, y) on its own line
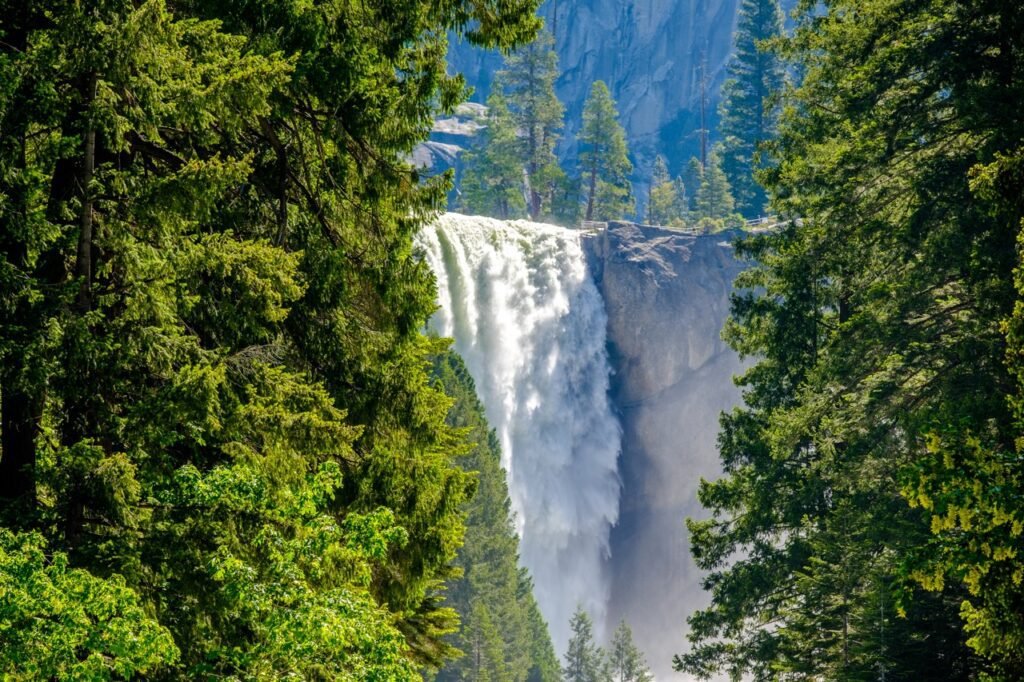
point(870, 522)
point(223, 451)
point(230, 450)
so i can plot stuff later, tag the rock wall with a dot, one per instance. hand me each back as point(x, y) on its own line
point(649, 52)
point(667, 297)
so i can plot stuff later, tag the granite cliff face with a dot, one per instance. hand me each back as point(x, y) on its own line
point(667, 296)
point(649, 52)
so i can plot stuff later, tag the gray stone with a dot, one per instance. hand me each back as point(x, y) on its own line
point(667, 297)
point(649, 52)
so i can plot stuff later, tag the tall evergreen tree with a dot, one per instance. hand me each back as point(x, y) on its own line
point(875, 466)
point(584, 659)
point(604, 158)
point(626, 661)
point(528, 81)
point(492, 181)
point(748, 118)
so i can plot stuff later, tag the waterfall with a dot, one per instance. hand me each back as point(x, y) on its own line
point(530, 324)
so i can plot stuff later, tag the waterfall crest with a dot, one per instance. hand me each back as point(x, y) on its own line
point(530, 324)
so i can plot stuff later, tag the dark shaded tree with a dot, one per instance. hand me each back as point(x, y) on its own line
point(748, 115)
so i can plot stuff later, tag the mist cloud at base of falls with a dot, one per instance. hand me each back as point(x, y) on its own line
point(530, 324)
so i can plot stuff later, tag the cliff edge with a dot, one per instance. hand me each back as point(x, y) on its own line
point(667, 298)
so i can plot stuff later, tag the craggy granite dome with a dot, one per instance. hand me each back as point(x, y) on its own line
point(667, 296)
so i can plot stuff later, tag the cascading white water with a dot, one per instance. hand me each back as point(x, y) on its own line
point(530, 324)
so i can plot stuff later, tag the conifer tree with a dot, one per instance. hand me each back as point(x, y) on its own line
point(626, 661)
point(693, 176)
point(502, 632)
point(714, 196)
point(666, 202)
point(584, 659)
point(748, 118)
point(492, 180)
point(528, 81)
point(222, 456)
point(875, 465)
point(604, 158)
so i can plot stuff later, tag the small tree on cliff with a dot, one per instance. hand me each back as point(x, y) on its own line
point(626, 661)
point(604, 158)
point(666, 202)
point(714, 196)
point(693, 176)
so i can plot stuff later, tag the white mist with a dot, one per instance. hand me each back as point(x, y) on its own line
point(530, 324)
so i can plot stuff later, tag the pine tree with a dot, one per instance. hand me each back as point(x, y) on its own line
point(502, 632)
point(584, 659)
point(748, 118)
point(528, 81)
point(714, 196)
point(604, 158)
point(666, 203)
point(693, 177)
point(492, 180)
point(626, 661)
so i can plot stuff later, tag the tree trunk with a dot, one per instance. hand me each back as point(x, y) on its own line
point(592, 191)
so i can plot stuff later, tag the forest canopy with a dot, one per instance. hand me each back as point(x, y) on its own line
point(222, 452)
point(869, 523)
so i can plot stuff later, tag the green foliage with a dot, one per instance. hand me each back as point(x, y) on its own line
point(870, 475)
point(492, 182)
point(714, 195)
point(62, 623)
point(216, 404)
point(584, 659)
point(667, 203)
point(604, 158)
point(748, 116)
point(692, 179)
point(625, 661)
point(528, 83)
point(503, 635)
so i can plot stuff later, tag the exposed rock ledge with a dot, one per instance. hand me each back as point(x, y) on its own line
point(667, 297)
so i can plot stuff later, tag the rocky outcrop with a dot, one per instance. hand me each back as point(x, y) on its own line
point(667, 297)
point(449, 137)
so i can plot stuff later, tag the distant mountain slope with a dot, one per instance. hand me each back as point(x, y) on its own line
point(649, 52)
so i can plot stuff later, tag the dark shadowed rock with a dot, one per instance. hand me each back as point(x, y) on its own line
point(667, 297)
